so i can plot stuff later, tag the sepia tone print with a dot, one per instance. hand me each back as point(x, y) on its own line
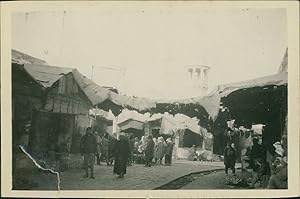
point(149, 99)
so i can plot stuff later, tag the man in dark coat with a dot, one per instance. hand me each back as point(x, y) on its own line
point(229, 158)
point(121, 153)
point(149, 151)
point(88, 148)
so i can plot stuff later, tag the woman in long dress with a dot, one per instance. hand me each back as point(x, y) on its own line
point(122, 153)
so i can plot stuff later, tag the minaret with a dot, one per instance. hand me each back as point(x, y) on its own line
point(197, 80)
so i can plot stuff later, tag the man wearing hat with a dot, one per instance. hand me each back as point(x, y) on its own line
point(88, 148)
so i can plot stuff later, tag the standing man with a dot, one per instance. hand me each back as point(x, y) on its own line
point(88, 147)
point(149, 151)
point(169, 151)
point(229, 158)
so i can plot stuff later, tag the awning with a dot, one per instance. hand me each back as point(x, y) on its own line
point(46, 75)
point(170, 125)
point(131, 124)
point(277, 79)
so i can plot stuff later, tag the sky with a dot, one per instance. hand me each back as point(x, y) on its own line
point(143, 52)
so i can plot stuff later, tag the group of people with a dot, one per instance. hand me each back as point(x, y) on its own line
point(107, 147)
point(122, 151)
point(270, 170)
point(152, 150)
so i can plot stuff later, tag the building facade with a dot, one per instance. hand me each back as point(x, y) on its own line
point(197, 80)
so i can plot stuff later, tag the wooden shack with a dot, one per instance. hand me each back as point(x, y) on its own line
point(50, 111)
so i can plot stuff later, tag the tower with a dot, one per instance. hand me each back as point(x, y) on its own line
point(197, 80)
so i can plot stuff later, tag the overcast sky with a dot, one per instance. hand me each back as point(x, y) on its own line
point(154, 45)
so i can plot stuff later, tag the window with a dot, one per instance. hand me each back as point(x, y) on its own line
point(198, 71)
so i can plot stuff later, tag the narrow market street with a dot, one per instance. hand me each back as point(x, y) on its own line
point(138, 177)
point(142, 106)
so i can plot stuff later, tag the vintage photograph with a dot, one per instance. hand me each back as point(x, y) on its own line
point(168, 97)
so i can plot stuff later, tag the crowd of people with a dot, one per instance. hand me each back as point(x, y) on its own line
point(269, 169)
point(123, 151)
point(149, 150)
